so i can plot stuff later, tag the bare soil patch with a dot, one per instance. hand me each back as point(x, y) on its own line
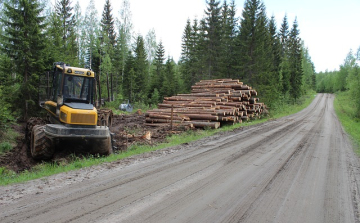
point(128, 129)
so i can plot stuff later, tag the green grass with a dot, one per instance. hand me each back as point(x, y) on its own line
point(47, 169)
point(345, 110)
point(285, 109)
point(7, 139)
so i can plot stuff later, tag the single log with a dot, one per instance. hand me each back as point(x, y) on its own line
point(202, 117)
point(162, 116)
point(213, 125)
point(153, 120)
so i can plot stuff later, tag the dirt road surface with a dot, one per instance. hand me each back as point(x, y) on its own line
point(300, 168)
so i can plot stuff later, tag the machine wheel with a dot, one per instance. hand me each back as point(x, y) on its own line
point(102, 146)
point(41, 147)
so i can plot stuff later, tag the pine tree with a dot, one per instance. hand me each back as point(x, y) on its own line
point(23, 43)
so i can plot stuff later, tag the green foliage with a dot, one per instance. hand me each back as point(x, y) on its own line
point(8, 138)
point(155, 97)
point(309, 78)
point(24, 42)
point(65, 26)
point(342, 80)
point(4, 147)
point(107, 24)
point(6, 116)
point(141, 70)
point(295, 59)
point(212, 38)
point(354, 89)
point(157, 77)
point(348, 116)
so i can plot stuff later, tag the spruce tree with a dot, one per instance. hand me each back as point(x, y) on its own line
point(213, 37)
point(54, 39)
point(67, 19)
point(129, 85)
point(170, 84)
point(295, 57)
point(275, 46)
point(284, 35)
point(254, 44)
point(228, 36)
point(186, 58)
point(201, 68)
point(285, 60)
point(140, 68)
point(273, 86)
point(107, 23)
point(23, 42)
point(158, 74)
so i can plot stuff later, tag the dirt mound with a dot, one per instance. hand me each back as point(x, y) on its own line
point(18, 159)
point(127, 129)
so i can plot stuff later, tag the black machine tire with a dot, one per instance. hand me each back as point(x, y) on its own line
point(102, 146)
point(41, 147)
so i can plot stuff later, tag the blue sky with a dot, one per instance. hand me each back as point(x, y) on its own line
point(329, 28)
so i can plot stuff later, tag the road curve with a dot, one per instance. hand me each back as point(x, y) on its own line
point(300, 168)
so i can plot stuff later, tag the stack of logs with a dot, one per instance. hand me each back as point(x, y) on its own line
point(210, 104)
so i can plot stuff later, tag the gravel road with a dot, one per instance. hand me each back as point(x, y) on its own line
point(300, 168)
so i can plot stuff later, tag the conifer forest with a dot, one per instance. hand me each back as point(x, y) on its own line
point(270, 57)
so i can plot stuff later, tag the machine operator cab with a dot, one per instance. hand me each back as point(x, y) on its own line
point(72, 96)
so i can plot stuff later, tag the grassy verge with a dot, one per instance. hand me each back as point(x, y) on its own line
point(48, 169)
point(284, 109)
point(346, 114)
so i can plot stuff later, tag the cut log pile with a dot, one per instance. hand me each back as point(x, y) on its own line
point(210, 104)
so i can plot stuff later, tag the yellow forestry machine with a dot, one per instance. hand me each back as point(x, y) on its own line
point(69, 97)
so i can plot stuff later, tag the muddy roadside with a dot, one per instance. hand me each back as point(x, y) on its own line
point(128, 129)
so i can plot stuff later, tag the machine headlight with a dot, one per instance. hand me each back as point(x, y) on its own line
point(63, 116)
